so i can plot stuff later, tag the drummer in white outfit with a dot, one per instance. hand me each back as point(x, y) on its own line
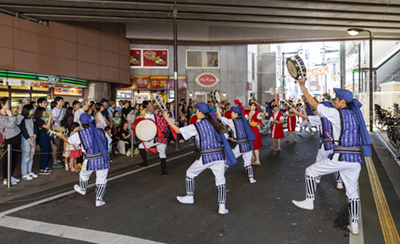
point(214, 150)
point(144, 145)
point(245, 142)
point(322, 151)
point(352, 141)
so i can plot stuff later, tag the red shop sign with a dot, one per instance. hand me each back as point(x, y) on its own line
point(136, 58)
point(159, 82)
point(207, 79)
point(155, 58)
point(181, 82)
point(142, 82)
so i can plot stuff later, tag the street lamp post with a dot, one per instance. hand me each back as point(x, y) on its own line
point(354, 32)
point(176, 97)
point(323, 51)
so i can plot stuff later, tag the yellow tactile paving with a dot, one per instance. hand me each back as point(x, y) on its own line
point(389, 229)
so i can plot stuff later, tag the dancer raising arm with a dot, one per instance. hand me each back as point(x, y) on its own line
point(214, 150)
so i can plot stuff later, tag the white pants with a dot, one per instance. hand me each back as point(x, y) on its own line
point(101, 175)
point(217, 167)
point(161, 147)
point(305, 123)
point(349, 172)
point(246, 156)
point(322, 153)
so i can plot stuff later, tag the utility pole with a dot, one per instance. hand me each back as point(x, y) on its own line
point(176, 70)
point(342, 65)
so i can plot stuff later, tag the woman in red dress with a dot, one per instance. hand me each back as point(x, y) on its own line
point(277, 127)
point(291, 123)
point(254, 118)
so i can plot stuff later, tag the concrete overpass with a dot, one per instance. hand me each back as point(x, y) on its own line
point(225, 22)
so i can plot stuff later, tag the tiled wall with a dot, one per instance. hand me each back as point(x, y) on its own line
point(91, 51)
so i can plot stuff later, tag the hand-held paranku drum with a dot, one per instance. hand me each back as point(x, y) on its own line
point(144, 129)
point(215, 96)
point(296, 67)
point(193, 119)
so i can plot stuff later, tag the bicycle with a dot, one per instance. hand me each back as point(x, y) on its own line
point(393, 132)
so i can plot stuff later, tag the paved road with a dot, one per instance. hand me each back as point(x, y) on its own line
point(144, 205)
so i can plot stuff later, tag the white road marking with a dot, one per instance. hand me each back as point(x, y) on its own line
point(69, 232)
point(29, 205)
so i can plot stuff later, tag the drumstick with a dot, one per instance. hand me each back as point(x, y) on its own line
point(327, 133)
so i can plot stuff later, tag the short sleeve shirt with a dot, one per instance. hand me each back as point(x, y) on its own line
point(230, 123)
point(57, 113)
point(333, 116)
point(39, 124)
point(126, 112)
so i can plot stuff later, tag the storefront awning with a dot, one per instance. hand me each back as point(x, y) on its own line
point(15, 78)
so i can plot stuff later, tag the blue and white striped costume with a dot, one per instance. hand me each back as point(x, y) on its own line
point(346, 157)
point(242, 149)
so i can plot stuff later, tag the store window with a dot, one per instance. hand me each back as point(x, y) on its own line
point(202, 59)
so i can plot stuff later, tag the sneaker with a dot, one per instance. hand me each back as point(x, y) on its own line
point(66, 167)
point(222, 210)
point(307, 204)
point(142, 165)
point(79, 190)
point(129, 153)
point(45, 172)
point(252, 181)
point(49, 169)
point(33, 175)
point(57, 165)
point(353, 227)
point(181, 141)
point(172, 142)
point(116, 152)
point(59, 161)
point(13, 183)
point(339, 186)
point(100, 203)
point(15, 179)
point(27, 177)
point(318, 179)
point(186, 199)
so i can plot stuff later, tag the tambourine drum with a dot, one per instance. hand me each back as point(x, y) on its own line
point(296, 67)
point(327, 96)
point(144, 129)
point(158, 102)
point(215, 96)
point(228, 114)
point(193, 119)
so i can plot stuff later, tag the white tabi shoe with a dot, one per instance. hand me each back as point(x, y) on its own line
point(339, 186)
point(222, 210)
point(100, 203)
point(317, 180)
point(353, 227)
point(79, 190)
point(252, 180)
point(186, 199)
point(307, 204)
